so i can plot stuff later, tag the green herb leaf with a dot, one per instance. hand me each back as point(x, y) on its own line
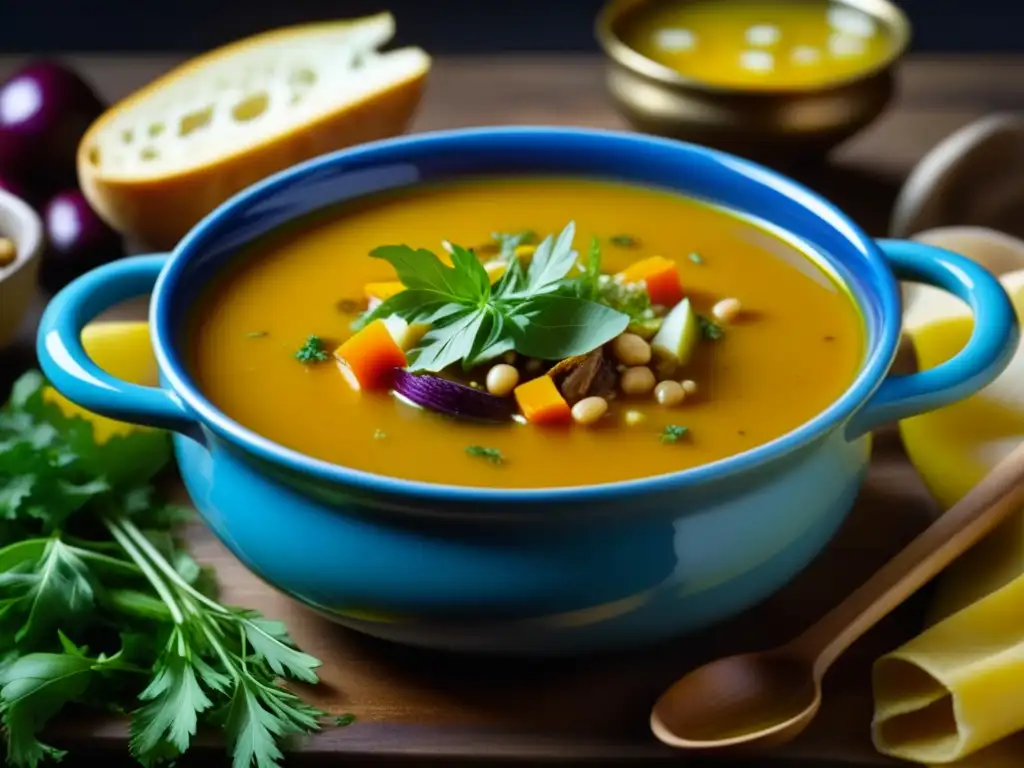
point(556, 327)
point(346, 719)
point(709, 329)
point(551, 262)
point(448, 342)
point(674, 433)
point(34, 688)
point(696, 258)
point(312, 351)
point(422, 270)
point(624, 241)
point(493, 455)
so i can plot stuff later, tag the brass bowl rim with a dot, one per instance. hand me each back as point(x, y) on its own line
point(884, 11)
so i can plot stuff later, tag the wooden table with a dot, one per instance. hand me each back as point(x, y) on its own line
point(438, 709)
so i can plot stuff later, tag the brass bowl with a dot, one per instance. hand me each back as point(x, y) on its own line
point(769, 125)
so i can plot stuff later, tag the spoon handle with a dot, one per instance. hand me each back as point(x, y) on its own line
point(957, 530)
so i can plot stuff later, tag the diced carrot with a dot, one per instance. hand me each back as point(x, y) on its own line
point(664, 287)
point(541, 402)
point(382, 291)
point(661, 278)
point(368, 359)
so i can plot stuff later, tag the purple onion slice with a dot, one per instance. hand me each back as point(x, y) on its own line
point(449, 397)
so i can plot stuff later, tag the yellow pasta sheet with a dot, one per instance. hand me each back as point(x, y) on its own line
point(958, 687)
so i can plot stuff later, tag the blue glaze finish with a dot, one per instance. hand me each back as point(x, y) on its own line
point(557, 570)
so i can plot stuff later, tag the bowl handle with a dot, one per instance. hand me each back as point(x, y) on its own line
point(988, 351)
point(67, 365)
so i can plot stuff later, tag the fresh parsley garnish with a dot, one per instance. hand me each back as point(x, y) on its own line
point(624, 241)
point(493, 455)
point(312, 351)
point(508, 242)
point(709, 329)
point(673, 433)
point(530, 311)
point(346, 719)
point(696, 258)
point(103, 607)
point(255, 334)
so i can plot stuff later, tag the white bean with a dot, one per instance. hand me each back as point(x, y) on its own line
point(637, 381)
point(669, 393)
point(502, 379)
point(630, 349)
point(726, 310)
point(689, 386)
point(589, 410)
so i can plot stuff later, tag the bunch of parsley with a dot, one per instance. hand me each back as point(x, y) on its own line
point(538, 311)
point(100, 605)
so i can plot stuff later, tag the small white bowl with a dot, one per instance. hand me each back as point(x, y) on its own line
point(20, 224)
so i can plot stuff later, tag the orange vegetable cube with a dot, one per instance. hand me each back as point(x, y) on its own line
point(541, 402)
point(660, 277)
point(382, 291)
point(369, 358)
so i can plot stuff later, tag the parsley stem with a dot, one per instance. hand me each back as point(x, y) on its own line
point(172, 575)
point(151, 576)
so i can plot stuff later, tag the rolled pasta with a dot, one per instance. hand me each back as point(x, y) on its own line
point(958, 686)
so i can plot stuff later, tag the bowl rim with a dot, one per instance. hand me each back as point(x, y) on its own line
point(618, 51)
point(877, 360)
point(28, 245)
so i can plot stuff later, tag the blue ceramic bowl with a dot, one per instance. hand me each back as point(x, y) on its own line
point(547, 571)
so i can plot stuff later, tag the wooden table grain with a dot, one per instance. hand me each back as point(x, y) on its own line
point(437, 709)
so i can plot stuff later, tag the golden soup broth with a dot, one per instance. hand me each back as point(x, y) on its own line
point(759, 43)
point(796, 348)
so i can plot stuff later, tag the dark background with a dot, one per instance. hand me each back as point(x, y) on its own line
point(440, 26)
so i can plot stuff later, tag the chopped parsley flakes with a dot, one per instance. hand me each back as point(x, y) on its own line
point(493, 455)
point(674, 433)
point(312, 351)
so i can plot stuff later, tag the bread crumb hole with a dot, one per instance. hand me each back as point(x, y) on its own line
point(149, 153)
point(303, 76)
point(251, 107)
point(155, 129)
point(127, 136)
point(193, 121)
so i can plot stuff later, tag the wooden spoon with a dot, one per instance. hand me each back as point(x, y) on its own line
point(756, 701)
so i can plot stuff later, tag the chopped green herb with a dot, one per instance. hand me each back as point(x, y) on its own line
point(379, 434)
point(709, 329)
point(255, 334)
point(346, 719)
point(312, 351)
point(492, 455)
point(536, 312)
point(350, 306)
point(673, 433)
point(696, 258)
point(624, 241)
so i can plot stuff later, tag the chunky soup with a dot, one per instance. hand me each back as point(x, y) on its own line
point(526, 332)
point(759, 43)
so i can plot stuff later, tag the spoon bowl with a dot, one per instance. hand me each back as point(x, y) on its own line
point(752, 701)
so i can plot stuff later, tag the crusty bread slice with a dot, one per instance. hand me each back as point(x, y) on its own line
point(157, 162)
